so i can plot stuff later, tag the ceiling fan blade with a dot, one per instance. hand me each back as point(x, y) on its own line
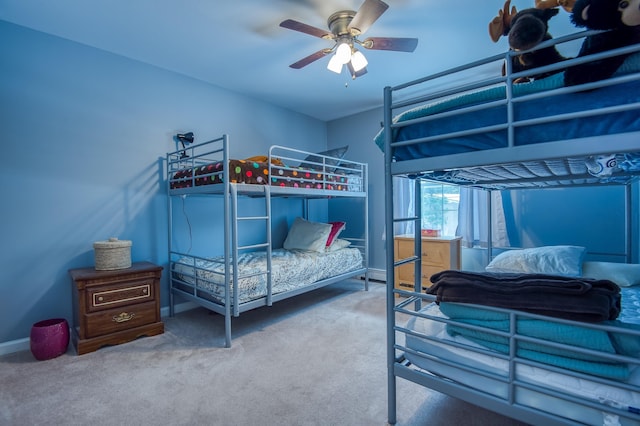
point(368, 13)
point(391, 43)
point(304, 28)
point(311, 58)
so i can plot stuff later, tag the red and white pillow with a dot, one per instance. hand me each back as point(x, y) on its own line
point(336, 229)
point(315, 236)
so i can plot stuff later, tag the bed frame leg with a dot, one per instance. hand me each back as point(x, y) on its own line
point(391, 395)
point(227, 331)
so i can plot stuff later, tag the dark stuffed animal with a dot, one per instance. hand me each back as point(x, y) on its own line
point(526, 29)
point(622, 18)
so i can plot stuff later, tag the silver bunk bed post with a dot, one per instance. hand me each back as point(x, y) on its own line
point(388, 183)
point(169, 237)
point(227, 242)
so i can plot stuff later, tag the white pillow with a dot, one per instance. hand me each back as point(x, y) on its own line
point(551, 260)
point(306, 235)
point(338, 244)
point(623, 274)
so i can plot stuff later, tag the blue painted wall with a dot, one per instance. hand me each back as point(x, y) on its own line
point(358, 132)
point(84, 134)
point(589, 217)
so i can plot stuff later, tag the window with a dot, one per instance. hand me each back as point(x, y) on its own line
point(440, 207)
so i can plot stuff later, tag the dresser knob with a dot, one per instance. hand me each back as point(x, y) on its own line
point(100, 299)
point(145, 290)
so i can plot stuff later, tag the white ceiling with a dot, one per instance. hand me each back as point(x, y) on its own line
point(239, 45)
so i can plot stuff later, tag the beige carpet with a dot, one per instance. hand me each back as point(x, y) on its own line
point(317, 359)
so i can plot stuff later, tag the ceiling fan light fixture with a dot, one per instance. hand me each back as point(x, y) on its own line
point(343, 52)
point(358, 61)
point(345, 26)
point(335, 64)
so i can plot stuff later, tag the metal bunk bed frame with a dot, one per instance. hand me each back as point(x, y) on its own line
point(397, 366)
point(207, 152)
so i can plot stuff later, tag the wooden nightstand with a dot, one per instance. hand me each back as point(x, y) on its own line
point(113, 307)
point(438, 254)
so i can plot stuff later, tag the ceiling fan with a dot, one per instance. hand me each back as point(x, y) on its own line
point(344, 28)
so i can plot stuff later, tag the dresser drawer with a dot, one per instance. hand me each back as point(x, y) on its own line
point(406, 273)
point(117, 319)
point(435, 254)
point(112, 296)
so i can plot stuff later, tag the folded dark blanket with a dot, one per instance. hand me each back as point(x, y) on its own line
point(579, 299)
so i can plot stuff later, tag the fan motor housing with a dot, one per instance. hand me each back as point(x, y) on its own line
point(339, 22)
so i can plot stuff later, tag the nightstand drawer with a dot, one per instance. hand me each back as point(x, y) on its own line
point(116, 295)
point(112, 320)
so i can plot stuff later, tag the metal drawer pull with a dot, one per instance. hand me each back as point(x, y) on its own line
point(123, 317)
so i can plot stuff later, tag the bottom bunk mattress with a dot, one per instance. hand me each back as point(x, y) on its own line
point(434, 349)
point(290, 269)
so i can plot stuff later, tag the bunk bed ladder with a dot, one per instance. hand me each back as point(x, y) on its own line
point(236, 249)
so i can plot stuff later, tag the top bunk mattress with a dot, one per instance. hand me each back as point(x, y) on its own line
point(474, 129)
point(253, 172)
point(208, 168)
point(488, 133)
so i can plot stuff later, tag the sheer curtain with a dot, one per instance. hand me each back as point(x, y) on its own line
point(473, 214)
point(473, 218)
point(403, 204)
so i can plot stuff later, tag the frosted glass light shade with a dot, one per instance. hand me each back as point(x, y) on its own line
point(343, 53)
point(358, 61)
point(335, 64)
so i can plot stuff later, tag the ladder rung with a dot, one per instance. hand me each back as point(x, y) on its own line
point(253, 246)
point(253, 218)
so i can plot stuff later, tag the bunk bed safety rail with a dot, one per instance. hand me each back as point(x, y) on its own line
point(330, 169)
point(191, 158)
point(418, 347)
point(453, 96)
point(291, 170)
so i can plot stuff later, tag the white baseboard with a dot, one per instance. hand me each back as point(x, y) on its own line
point(180, 307)
point(378, 275)
point(15, 346)
point(24, 344)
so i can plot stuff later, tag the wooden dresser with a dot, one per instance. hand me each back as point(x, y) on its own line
point(113, 307)
point(438, 254)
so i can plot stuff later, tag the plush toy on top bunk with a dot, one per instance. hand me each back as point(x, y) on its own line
point(622, 18)
point(526, 29)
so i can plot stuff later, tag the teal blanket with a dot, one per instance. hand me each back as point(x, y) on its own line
point(572, 335)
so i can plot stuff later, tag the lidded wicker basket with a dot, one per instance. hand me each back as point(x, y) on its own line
point(112, 254)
